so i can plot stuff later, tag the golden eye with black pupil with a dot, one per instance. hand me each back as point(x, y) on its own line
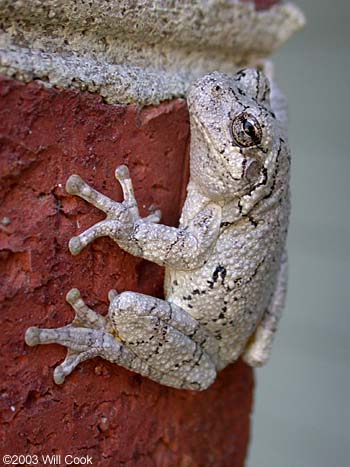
point(246, 130)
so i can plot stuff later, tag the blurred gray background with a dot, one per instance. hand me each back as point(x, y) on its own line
point(302, 416)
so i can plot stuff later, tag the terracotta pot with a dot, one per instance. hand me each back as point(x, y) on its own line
point(101, 410)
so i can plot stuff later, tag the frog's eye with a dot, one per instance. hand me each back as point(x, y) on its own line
point(246, 130)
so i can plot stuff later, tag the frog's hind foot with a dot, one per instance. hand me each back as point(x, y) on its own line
point(85, 316)
point(86, 325)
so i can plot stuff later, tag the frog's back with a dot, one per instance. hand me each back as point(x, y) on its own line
point(230, 292)
point(239, 159)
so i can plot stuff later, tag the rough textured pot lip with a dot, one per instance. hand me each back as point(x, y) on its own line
point(137, 51)
point(196, 24)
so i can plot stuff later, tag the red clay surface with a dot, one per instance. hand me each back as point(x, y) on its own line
point(109, 413)
point(263, 4)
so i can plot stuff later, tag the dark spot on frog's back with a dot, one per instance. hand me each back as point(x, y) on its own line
point(219, 270)
point(253, 221)
point(189, 297)
point(198, 292)
point(225, 224)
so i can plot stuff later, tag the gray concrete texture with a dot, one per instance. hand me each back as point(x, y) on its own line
point(302, 411)
point(136, 51)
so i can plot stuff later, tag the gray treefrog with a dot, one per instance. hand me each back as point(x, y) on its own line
point(225, 264)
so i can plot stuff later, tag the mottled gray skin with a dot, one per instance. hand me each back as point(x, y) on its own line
point(225, 263)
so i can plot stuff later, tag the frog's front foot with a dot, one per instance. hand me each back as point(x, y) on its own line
point(120, 217)
point(86, 337)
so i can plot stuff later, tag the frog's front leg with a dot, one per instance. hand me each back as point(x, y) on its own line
point(120, 217)
point(185, 247)
point(259, 347)
point(144, 334)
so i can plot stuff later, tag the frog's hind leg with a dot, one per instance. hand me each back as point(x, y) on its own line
point(71, 361)
point(82, 344)
point(84, 316)
point(174, 348)
point(89, 335)
point(144, 334)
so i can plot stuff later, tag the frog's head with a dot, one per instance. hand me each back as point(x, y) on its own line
point(232, 132)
